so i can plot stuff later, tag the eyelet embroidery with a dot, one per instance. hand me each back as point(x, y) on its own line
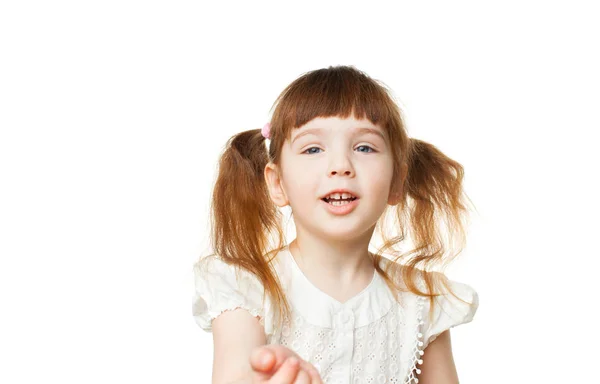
point(402, 350)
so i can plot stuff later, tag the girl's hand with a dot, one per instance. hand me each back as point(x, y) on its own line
point(276, 364)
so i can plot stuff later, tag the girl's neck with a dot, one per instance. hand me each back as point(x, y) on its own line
point(339, 270)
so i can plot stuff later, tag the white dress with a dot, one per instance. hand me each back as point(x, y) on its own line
point(370, 339)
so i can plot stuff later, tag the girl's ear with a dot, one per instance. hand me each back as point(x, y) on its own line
point(276, 191)
point(396, 190)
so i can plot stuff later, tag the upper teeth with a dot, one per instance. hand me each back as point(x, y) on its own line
point(339, 196)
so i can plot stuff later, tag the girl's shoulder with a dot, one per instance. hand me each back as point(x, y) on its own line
point(219, 287)
point(456, 302)
point(449, 309)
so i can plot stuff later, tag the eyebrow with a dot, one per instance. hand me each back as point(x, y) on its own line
point(357, 131)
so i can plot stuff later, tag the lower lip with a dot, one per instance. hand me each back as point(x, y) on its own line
point(341, 209)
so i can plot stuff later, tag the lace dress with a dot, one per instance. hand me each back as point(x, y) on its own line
point(370, 339)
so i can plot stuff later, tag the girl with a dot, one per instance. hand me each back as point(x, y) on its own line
point(323, 308)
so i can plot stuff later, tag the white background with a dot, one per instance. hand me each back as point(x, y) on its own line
point(113, 114)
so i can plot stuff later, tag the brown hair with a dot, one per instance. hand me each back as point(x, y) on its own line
point(247, 227)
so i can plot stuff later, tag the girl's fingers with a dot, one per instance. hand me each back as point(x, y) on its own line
point(287, 373)
point(303, 378)
point(262, 360)
point(268, 360)
point(314, 376)
point(312, 372)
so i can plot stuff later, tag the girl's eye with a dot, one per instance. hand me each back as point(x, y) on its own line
point(307, 150)
point(366, 146)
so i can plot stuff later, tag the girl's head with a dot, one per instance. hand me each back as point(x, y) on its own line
point(330, 154)
point(334, 128)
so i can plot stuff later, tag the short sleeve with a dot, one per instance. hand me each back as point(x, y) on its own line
point(220, 287)
point(449, 311)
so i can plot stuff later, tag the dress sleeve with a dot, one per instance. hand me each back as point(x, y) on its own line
point(449, 311)
point(220, 287)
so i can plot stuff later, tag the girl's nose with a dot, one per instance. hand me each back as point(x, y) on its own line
point(341, 167)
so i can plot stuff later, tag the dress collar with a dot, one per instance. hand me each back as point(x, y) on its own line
point(320, 309)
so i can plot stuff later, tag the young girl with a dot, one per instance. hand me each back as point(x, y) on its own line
point(323, 308)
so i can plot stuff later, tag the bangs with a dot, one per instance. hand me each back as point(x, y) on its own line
point(333, 92)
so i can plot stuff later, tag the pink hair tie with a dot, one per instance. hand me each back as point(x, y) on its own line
point(266, 131)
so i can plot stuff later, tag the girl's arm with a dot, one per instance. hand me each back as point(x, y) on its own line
point(438, 363)
point(235, 334)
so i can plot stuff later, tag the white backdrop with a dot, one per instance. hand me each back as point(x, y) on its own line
point(113, 113)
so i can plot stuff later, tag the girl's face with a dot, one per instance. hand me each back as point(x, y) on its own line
point(329, 154)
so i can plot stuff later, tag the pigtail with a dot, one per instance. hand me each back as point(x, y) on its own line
point(244, 220)
point(437, 212)
point(435, 184)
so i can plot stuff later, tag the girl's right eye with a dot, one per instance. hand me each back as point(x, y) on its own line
point(307, 150)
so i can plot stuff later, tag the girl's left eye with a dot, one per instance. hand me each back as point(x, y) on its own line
point(366, 146)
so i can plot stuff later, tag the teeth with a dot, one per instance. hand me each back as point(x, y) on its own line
point(336, 203)
point(338, 196)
